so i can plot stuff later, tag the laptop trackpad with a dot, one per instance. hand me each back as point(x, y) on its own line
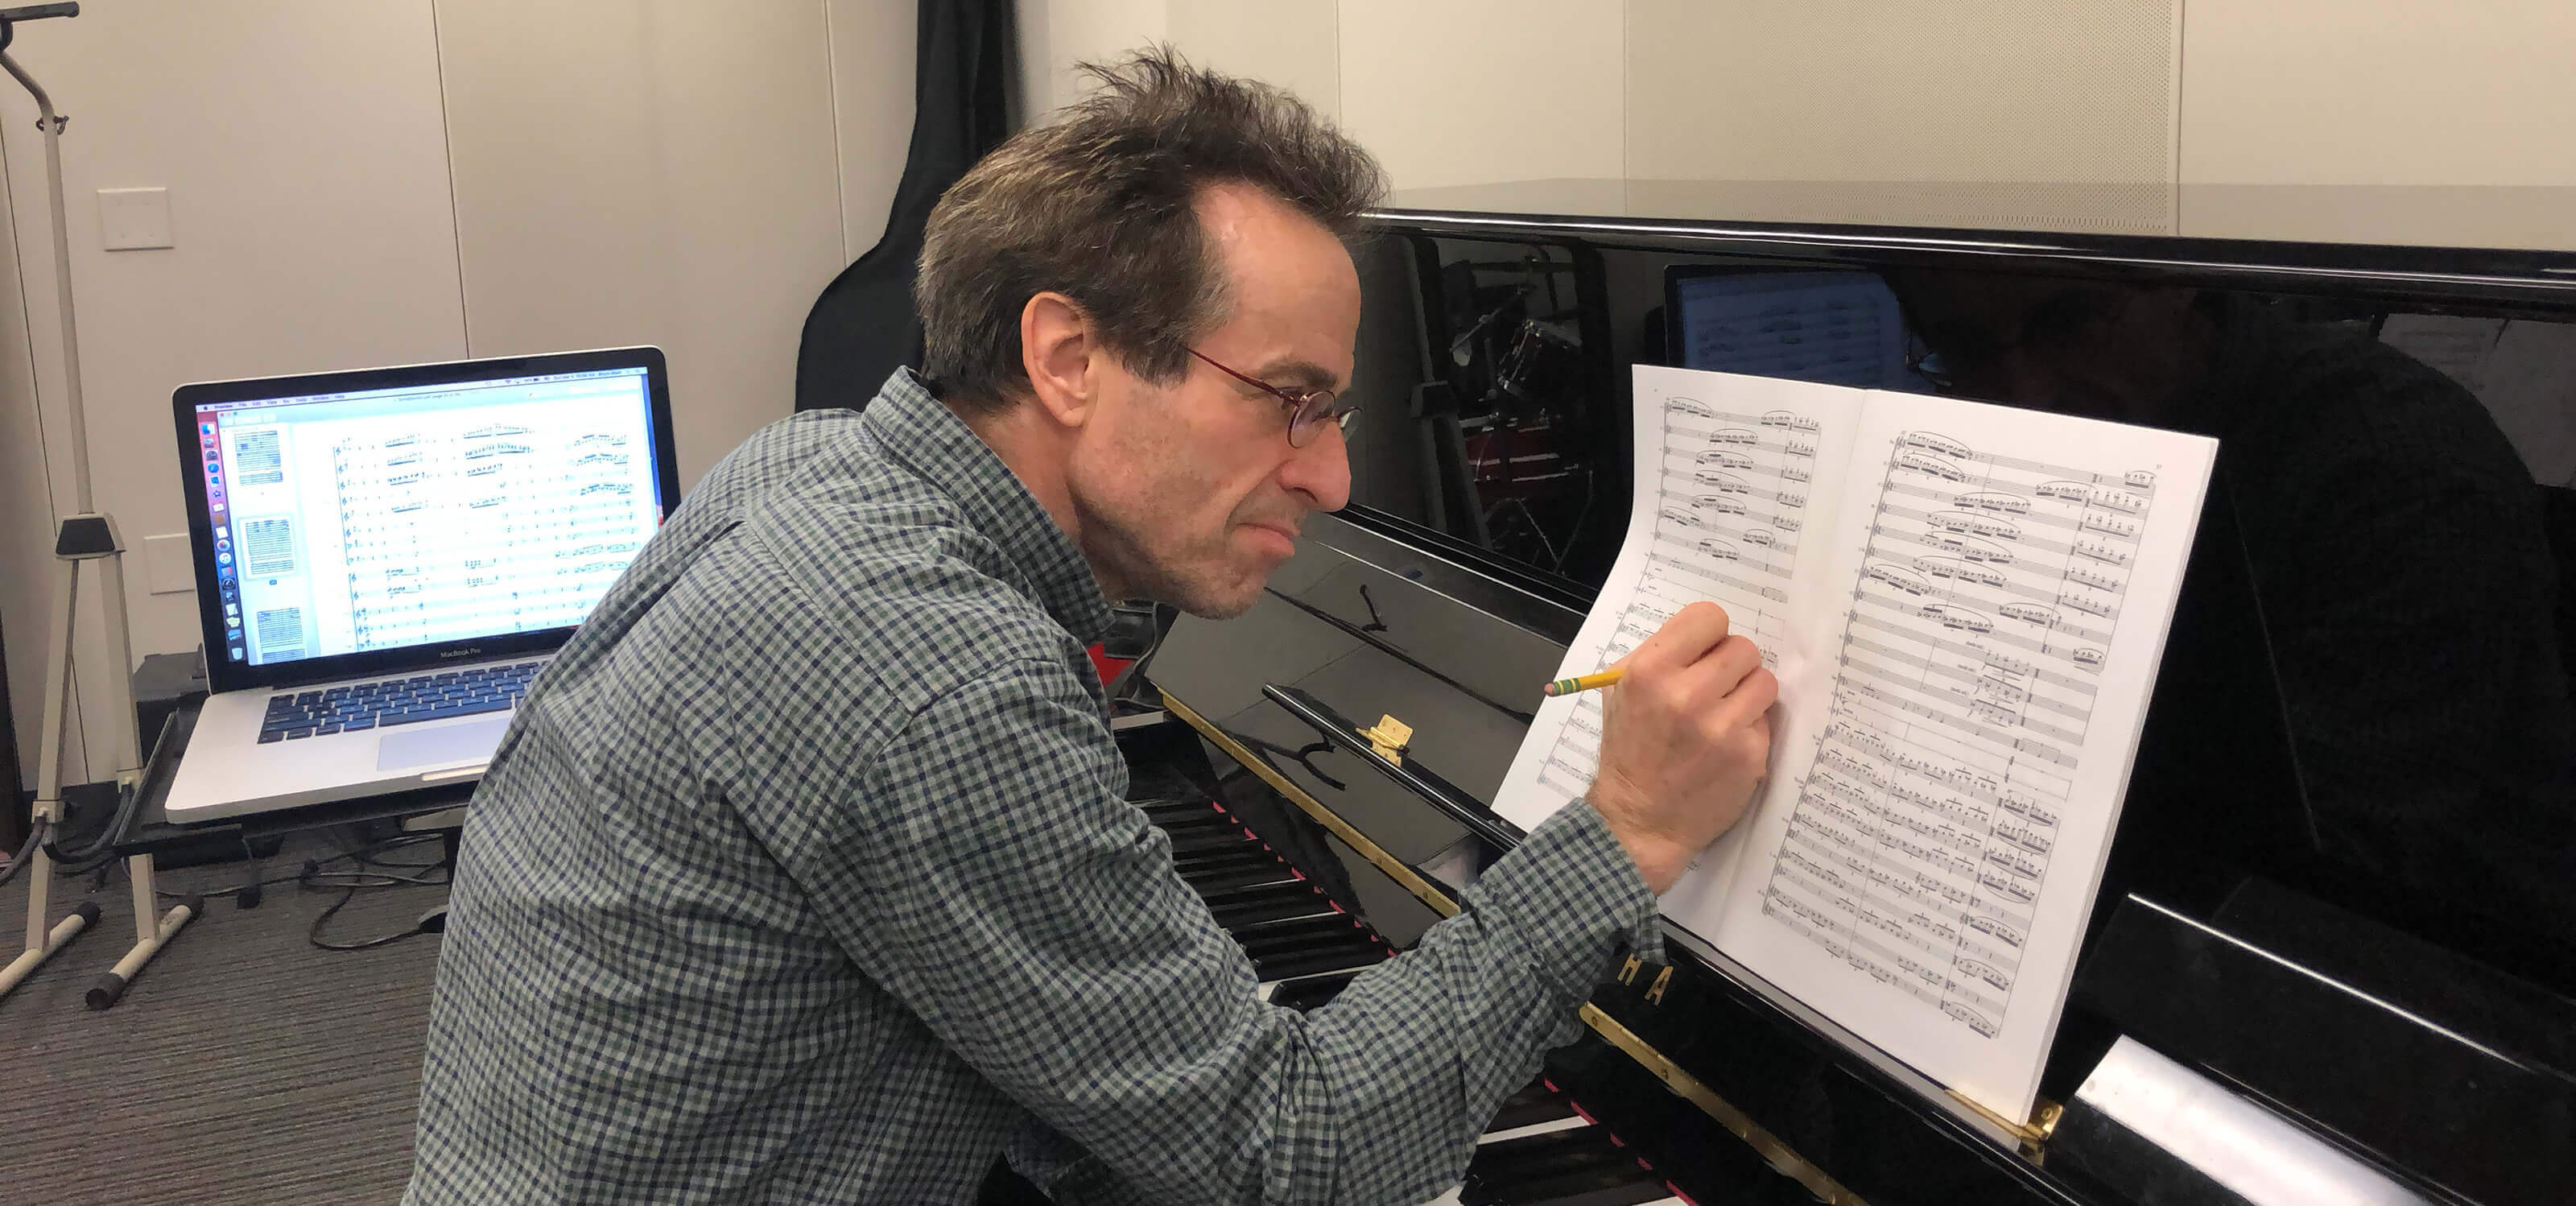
point(446, 743)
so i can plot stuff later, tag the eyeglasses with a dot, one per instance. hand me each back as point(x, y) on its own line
point(1308, 409)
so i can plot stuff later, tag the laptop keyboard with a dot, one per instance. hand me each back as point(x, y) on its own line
point(351, 709)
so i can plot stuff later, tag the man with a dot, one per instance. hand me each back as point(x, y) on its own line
point(805, 874)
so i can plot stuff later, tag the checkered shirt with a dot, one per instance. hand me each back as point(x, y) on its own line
point(805, 874)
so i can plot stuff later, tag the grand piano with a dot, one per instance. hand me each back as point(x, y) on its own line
point(2333, 952)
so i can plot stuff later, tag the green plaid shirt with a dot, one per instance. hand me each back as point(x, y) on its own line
point(806, 875)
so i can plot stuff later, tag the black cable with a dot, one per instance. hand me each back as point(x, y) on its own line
point(387, 875)
point(26, 852)
point(367, 856)
point(100, 851)
point(81, 860)
point(313, 875)
point(315, 934)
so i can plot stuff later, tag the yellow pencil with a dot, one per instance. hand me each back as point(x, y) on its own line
point(1568, 686)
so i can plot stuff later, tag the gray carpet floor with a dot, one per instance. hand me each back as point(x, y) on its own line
point(243, 1065)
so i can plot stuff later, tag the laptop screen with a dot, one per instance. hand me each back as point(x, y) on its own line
point(1837, 328)
point(380, 519)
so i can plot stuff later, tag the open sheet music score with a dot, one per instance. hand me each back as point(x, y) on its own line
point(1965, 605)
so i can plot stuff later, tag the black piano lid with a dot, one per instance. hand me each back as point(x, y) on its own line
point(2414, 275)
point(1449, 610)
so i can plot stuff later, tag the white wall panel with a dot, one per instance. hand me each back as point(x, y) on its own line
point(874, 50)
point(1455, 92)
point(2392, 121)
point(1291, 43)
point(300, 141)
point(1057, 35)
point(656, 172)
point(2013, 113)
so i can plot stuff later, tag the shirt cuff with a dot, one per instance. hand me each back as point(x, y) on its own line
point(1574, 896)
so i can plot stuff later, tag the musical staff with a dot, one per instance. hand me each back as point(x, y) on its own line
point(1962, 603)
point(501, 528)
point(1963, 690)
point(1729, 498)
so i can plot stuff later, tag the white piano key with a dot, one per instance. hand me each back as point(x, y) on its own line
point(1269, 987)
point(1567, 1123)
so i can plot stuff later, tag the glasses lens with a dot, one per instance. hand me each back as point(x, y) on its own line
point(1307, 421)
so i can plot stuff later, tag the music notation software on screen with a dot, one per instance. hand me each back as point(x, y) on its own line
point(399, 517)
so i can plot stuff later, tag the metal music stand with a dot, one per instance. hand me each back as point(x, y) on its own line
point(85, 537)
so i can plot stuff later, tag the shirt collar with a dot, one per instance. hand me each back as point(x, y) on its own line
point(922, 432)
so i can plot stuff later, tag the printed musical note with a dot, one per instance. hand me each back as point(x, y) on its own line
point(1947, 760)
point(446, 531)
point(1722, 528)
point(1945, 590)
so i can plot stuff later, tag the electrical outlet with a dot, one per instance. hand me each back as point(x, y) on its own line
point(167, 566)
point(134, 219)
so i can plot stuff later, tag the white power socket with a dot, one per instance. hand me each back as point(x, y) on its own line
point(167, 566)
point(134, 219)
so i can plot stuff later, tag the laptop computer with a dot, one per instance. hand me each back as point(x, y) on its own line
point(385, 558)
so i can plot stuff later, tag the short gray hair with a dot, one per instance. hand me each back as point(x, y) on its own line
point(1099, 206)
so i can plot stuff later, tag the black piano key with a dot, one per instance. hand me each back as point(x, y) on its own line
point(1177, 810)
point(1160, 780)
point(1301, 933)
point(1191, 845)
point(1270, 902)
point(1277, 871)
point(1621, 1181)
point(1287, 961)
point(1218, 862)
point(1267, 869)
point(1284, 956)
point(1532, 1158)
point(1196, 845)
point(1188, 814)
point(1534, 1104)
point(1230, 854)
point(1335, 927)
point(1201, 823)
point(1188, 844)
point(1201, 849)
point(1311, 992)
point(1290, 967)
point(1645, 1188)
point(1218, 897)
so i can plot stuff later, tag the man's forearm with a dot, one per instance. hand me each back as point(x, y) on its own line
point(1401, 1071)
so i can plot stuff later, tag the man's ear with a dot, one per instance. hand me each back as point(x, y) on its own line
point(1059, 352)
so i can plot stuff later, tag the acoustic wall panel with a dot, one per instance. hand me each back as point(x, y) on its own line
point(2018, 114)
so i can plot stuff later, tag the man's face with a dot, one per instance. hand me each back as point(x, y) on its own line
point(1189, 493)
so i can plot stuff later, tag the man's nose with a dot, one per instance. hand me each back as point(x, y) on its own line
point(1321, 471)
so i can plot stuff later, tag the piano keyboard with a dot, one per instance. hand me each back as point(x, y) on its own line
point(1540, 1149)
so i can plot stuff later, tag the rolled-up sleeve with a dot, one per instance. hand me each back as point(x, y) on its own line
point(992, 878)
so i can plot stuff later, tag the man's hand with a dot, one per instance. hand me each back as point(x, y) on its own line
point(1684, 738)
